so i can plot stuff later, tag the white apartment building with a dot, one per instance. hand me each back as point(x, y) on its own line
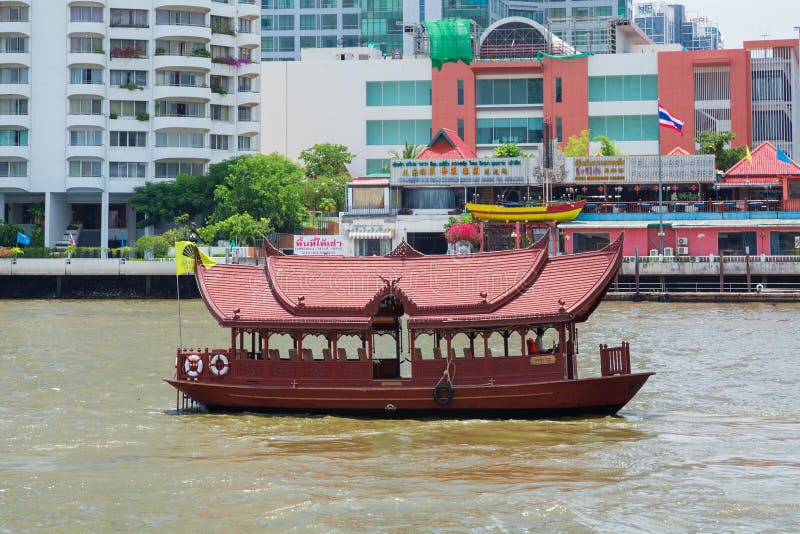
point(98, 97)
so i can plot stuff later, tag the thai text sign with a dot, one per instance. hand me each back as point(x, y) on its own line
point(462, 171)
point(318, 245)
point(639, 169)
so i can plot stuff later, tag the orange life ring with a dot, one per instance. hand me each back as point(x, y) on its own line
point(193, 365)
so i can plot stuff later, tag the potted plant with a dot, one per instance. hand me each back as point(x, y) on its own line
point(464, 236)
point(143, 116)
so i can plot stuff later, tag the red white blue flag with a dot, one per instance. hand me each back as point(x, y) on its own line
point(72, 241)
point(666, 120)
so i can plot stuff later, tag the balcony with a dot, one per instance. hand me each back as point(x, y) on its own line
point(181, 31)
point(89, 89)
point(79, 184)
point(181, 92)
point(11, 184)
point(17, 152)
point(249, 98)
point(251, 69)
point(162, 122)
point(98, 121)
point(86, 28)
point(249, 40)
point(248, 128)
point(87, 58)
point(21, 121)
point(250, 9)
point(15, 89)
point(16, 58)
point(21, 27)
point(165, 61)
point(174, 153)
point(97, 152)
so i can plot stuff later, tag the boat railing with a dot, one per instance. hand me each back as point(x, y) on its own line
point(615, 360)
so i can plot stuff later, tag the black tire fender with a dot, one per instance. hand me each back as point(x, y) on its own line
point(443, 394)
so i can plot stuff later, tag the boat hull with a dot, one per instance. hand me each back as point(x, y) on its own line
point(551, 212)
point(602, 395)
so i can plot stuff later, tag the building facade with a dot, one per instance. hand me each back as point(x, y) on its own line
point(100, 97)
point(669, 24)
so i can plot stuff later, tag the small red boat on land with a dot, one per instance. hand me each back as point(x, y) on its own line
point(331, 311)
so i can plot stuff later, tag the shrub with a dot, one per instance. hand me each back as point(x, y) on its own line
point(8, 234)
point(157, 245)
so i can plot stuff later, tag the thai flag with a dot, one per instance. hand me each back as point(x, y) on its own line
point(666, 120)
point(72, 241)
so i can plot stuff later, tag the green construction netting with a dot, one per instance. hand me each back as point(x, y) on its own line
point(450, 40)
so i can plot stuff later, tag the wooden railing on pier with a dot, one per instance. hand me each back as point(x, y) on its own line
point(615, 360)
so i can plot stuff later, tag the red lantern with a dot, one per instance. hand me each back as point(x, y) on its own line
point(693, 187)
point(674, 187)
point(584, 189)
point(636, 188)
point(655, 188)
point(600, 188)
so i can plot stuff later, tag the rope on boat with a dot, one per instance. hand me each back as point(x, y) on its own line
point(448, 375)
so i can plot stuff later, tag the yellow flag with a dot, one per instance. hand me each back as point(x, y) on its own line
point(747, 154)
point(184, 258)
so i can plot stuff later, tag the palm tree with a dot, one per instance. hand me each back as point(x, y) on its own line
point(410, 151)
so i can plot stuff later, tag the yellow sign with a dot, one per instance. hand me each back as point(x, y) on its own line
point(543, 360)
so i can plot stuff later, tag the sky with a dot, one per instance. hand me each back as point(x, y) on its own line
point(747, 20)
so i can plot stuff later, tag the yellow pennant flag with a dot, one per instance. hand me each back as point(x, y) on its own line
point(184, 258)
point(747, 154)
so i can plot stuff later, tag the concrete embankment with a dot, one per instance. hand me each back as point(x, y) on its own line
point(705, 296)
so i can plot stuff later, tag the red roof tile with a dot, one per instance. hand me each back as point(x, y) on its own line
point(446, 144)
point(765, 163)
point(678, 151)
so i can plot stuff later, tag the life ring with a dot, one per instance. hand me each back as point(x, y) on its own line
point(759, 288)
point(216, 368)
point(445, 388)
point(667, 297)
point(193, 365)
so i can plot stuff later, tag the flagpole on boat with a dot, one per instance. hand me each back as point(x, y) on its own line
point(178, 288)
point(660, 192)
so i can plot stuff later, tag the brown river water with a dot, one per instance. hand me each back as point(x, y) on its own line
point(90, 440)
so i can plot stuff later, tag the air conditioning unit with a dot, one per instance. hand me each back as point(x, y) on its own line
point(683, 241)
point(669, 251)
point(683, 251)
point(654, 252)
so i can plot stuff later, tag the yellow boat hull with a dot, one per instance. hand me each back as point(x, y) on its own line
point(551, 212)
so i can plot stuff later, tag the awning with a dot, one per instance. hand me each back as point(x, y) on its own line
point(752, 181)
point(370, 234)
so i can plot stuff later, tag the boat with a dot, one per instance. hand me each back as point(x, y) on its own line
point(521, 212)
point(332, 310)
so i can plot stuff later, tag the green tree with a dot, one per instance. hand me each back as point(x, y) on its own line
point(509, 150)
point(607, 146)
point(8, 234)
point(266, 187)
point(316, 190)
point(410, 151)
point(190, 195)
point(240, 227)
point(577, 145)
point(326, 159)
point(715, 143)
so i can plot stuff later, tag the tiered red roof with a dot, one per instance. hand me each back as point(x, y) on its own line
point(765, 167)
point(519, 287)
point(446, 144)
point(678, 151)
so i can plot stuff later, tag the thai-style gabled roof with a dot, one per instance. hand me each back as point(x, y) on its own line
point(446, 144)
point(404, 250)
point(765, 163)
point(271, 250)
point(316, 293)
point(678, 151)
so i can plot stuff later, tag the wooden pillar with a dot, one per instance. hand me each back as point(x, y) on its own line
point(471, 337)
point(233, 340)
point(241, 341)
point(506, 335)
point(299, 340)
point(721, 271)
point(265, 348)
point(252, 343)
point(747, 270)
point(334, 346)
point(522, 337)
point(411, 341)
point(517, 231)
point(449, 338)
point(486, 336)
point(369, 345)
point(483, 236)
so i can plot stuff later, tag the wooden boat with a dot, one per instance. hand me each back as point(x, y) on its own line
point(565, 211)
point(332, 309)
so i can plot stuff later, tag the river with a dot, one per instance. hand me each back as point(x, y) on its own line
point(90, 440)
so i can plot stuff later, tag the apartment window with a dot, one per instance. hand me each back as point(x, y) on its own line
point(623, 88)
point(180, 18)
point(127, 108)
point(350, 21)
point(405, 93)
point(327, 4)
point(245, 26)
point(13, 106)
point(129, 139)
point(85, 106)
point(178, 48)
point(308, 41)
point(174, 168)
point(308, 4)
point(589, 241)
point(85, 137)
point(377, 165)
point(177, 78)
point(499, 92)
point(266, 22)
point(85, 168)
point(86, 45)
point(82, 75)
point(13, 169)
point(328, 41)
point(222, 25)
point(219, 142)
point(246, 53)
point(398, 132)
point(327, 22)
point(558, 89)
point(520, 130)
point(129, 18)
point(245, 113)
point(129, 77)
point(308, 22)
point(350, 3)
point(179, 139)
point(285, 22)
point(172, 108)
point(461, 128)
point(127, 169)
point(602, 11)
point(286, 44)
point(221, 84)
point(14, 14)
point(128, 48)
point(85, 14)
point(244, 143)
point(580, 12)
point(14, 75)
point(220, 54)
point(557, 13)
point(17, 137)
point(245, 85)
point(625, 127)
point(460, 92)
point(14, 45)
point(284, 4)
point(220, 113)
